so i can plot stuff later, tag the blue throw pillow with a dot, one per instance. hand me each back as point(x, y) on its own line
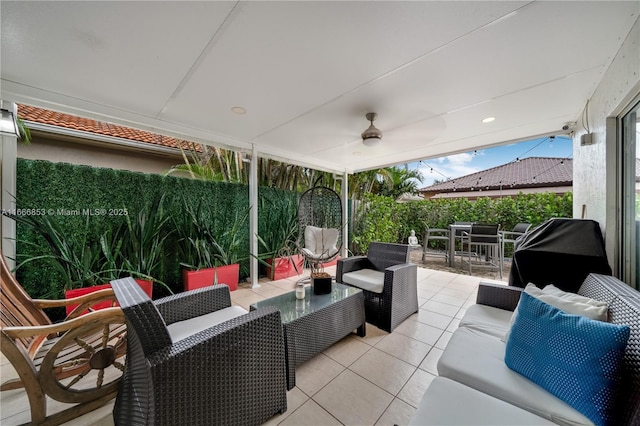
point(577, 359)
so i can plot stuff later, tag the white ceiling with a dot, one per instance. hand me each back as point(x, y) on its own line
point(308, 72)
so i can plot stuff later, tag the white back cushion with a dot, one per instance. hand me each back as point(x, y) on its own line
point(183, 329)
point(321, 241)
point(569, 303)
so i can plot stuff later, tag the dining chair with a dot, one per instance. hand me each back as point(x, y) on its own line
point(485, 239)
point(435, 234)
point(512, 236)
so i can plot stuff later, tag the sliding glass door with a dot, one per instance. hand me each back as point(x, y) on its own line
point(630, 197)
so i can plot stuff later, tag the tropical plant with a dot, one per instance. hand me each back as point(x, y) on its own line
point(229, 244)
point(111, 246)
point(143, 242)
point(397, 181)
point(24, 134)
point(196, 241)
point(279, 228)
point(78, 260)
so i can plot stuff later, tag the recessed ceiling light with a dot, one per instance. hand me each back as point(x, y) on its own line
point(488, 119)
point(356, 153)
point(239, 110)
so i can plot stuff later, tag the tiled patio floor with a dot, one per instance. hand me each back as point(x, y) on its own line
point(375, 380)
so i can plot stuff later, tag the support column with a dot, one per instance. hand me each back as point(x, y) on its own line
point(253, 217)
point(8, 166)
point(345, 215)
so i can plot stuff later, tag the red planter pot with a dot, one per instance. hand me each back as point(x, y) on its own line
point(284, 267)
point(192, 280)
point(146, 285)
point(227, 274)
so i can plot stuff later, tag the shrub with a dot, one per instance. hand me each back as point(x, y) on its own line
point(380, 218)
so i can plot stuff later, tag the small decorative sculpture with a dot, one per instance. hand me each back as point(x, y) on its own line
point(413, 240)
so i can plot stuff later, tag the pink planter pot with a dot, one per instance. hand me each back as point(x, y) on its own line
point(284, 267)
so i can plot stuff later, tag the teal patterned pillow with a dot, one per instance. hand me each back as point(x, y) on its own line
point(577, 359)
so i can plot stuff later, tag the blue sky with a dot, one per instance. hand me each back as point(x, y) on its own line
point(457, 165)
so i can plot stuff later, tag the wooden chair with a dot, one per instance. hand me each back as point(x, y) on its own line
point(78, 361)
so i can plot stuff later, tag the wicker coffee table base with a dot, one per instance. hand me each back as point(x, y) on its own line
point(310, 334)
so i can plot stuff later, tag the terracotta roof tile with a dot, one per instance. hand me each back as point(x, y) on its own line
point(53, 118)
point(529, 172)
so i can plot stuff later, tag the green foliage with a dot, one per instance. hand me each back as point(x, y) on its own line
point(277, 223)
point(379, 218)
point(127, 211)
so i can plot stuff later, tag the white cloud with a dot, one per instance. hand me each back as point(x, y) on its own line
point(451, 166)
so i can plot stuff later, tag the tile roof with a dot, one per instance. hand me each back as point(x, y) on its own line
point(526, 173)
point(53, 118)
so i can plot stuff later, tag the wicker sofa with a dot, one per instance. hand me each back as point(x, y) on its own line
point(473, 374)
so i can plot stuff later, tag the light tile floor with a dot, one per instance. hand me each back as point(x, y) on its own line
point(378, 379)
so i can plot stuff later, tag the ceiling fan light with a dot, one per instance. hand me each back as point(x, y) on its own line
point(372, 136)
point(372, 141)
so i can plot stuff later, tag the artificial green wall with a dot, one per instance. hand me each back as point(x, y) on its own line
point(69, 192)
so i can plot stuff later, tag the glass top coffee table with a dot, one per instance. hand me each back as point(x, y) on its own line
point(316, 322)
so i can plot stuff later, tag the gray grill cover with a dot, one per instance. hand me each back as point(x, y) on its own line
point(561, 252)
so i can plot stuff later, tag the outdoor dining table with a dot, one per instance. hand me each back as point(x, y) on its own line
point(452, 240)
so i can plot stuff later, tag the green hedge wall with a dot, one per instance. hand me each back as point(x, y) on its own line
point(382, 219)
point(60, 187)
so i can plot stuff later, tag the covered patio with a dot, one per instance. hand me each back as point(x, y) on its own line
point(378, 379)
point(292, 81)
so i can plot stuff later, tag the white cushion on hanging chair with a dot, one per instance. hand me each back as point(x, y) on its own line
point(320, 243)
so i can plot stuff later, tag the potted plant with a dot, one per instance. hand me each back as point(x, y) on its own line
point(197, 247)
point(278, 241)
point(76, 259)
point(143, 244)
point(227, 257)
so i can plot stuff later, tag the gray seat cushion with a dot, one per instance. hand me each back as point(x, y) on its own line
point(487, 319)
point(366, 279)
point(476, 359)
point(183, 329)
point(447, 402)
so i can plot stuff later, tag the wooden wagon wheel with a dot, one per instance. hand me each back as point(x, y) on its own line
point(86, 362)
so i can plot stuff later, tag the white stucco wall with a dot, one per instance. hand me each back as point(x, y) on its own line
point(594, 165)
point(619, 83)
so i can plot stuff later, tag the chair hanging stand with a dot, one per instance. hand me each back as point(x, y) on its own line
point(319, 227)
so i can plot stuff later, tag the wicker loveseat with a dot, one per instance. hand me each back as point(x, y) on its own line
point(181, 369)
point(473, 374)
point(388, 280)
